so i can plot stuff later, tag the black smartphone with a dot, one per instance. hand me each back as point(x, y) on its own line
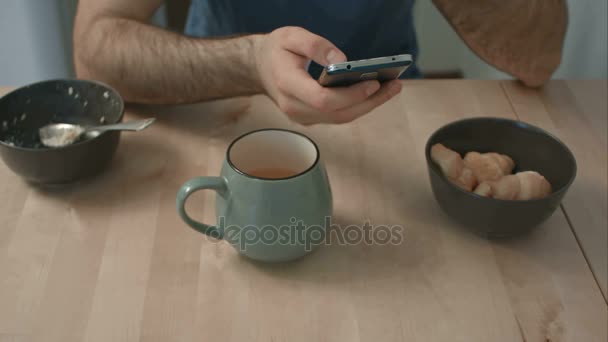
point(382, 69)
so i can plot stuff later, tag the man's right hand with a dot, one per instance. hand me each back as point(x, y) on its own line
point(281, 60)
point(114, 43)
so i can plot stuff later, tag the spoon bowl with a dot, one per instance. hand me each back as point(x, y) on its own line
point(63, 134)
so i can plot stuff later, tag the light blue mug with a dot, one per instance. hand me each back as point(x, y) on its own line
point(273, 196)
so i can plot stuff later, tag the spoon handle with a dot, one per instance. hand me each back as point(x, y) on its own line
point(136, 125)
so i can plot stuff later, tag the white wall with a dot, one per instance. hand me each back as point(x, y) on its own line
point(586, 49)
point(33, 41)
point(439, 45)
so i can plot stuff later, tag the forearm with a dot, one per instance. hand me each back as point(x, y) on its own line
point(147, 64)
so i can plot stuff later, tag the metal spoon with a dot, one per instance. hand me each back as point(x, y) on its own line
point(63, 134)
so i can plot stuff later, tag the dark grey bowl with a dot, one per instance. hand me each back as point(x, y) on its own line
point(25, 110)
point(530, 147)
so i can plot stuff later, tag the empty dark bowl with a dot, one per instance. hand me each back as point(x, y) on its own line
point(532, 149)
point(25, 110)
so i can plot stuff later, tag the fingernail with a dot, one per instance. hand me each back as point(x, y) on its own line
point(333, 57)
point(372, 88)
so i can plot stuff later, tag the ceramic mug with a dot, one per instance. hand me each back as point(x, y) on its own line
point(273, 196)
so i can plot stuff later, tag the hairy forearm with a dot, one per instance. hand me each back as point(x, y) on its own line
point(147, 64)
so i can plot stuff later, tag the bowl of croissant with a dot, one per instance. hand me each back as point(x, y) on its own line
point(498, 177)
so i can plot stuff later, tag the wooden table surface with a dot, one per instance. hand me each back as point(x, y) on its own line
point(109, 259)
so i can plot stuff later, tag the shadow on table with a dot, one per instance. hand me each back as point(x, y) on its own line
point(136, 163)
point(214, 119)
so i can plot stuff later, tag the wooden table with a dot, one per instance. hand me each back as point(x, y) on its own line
point(109, 259)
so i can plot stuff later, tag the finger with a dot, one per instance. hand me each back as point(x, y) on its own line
point(302, 113)
point(311, 46)
point(299, 84)
point(386, 92)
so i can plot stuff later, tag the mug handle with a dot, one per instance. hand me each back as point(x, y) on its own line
point(217, 184)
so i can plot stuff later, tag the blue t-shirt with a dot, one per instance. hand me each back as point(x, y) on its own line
point(360, 28)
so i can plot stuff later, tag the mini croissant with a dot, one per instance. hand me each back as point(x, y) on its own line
point(520, 186)
point(489, 174)
point(453, 167)
point(489, 166)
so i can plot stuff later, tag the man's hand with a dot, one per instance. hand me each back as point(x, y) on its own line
point(281, 59)
point(115, 44)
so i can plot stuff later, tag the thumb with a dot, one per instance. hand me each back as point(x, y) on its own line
point(311, 46)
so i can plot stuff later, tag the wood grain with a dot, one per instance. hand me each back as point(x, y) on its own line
point(576, 112)
point(108, 259)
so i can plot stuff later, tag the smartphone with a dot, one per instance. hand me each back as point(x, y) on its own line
point(382, 69)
